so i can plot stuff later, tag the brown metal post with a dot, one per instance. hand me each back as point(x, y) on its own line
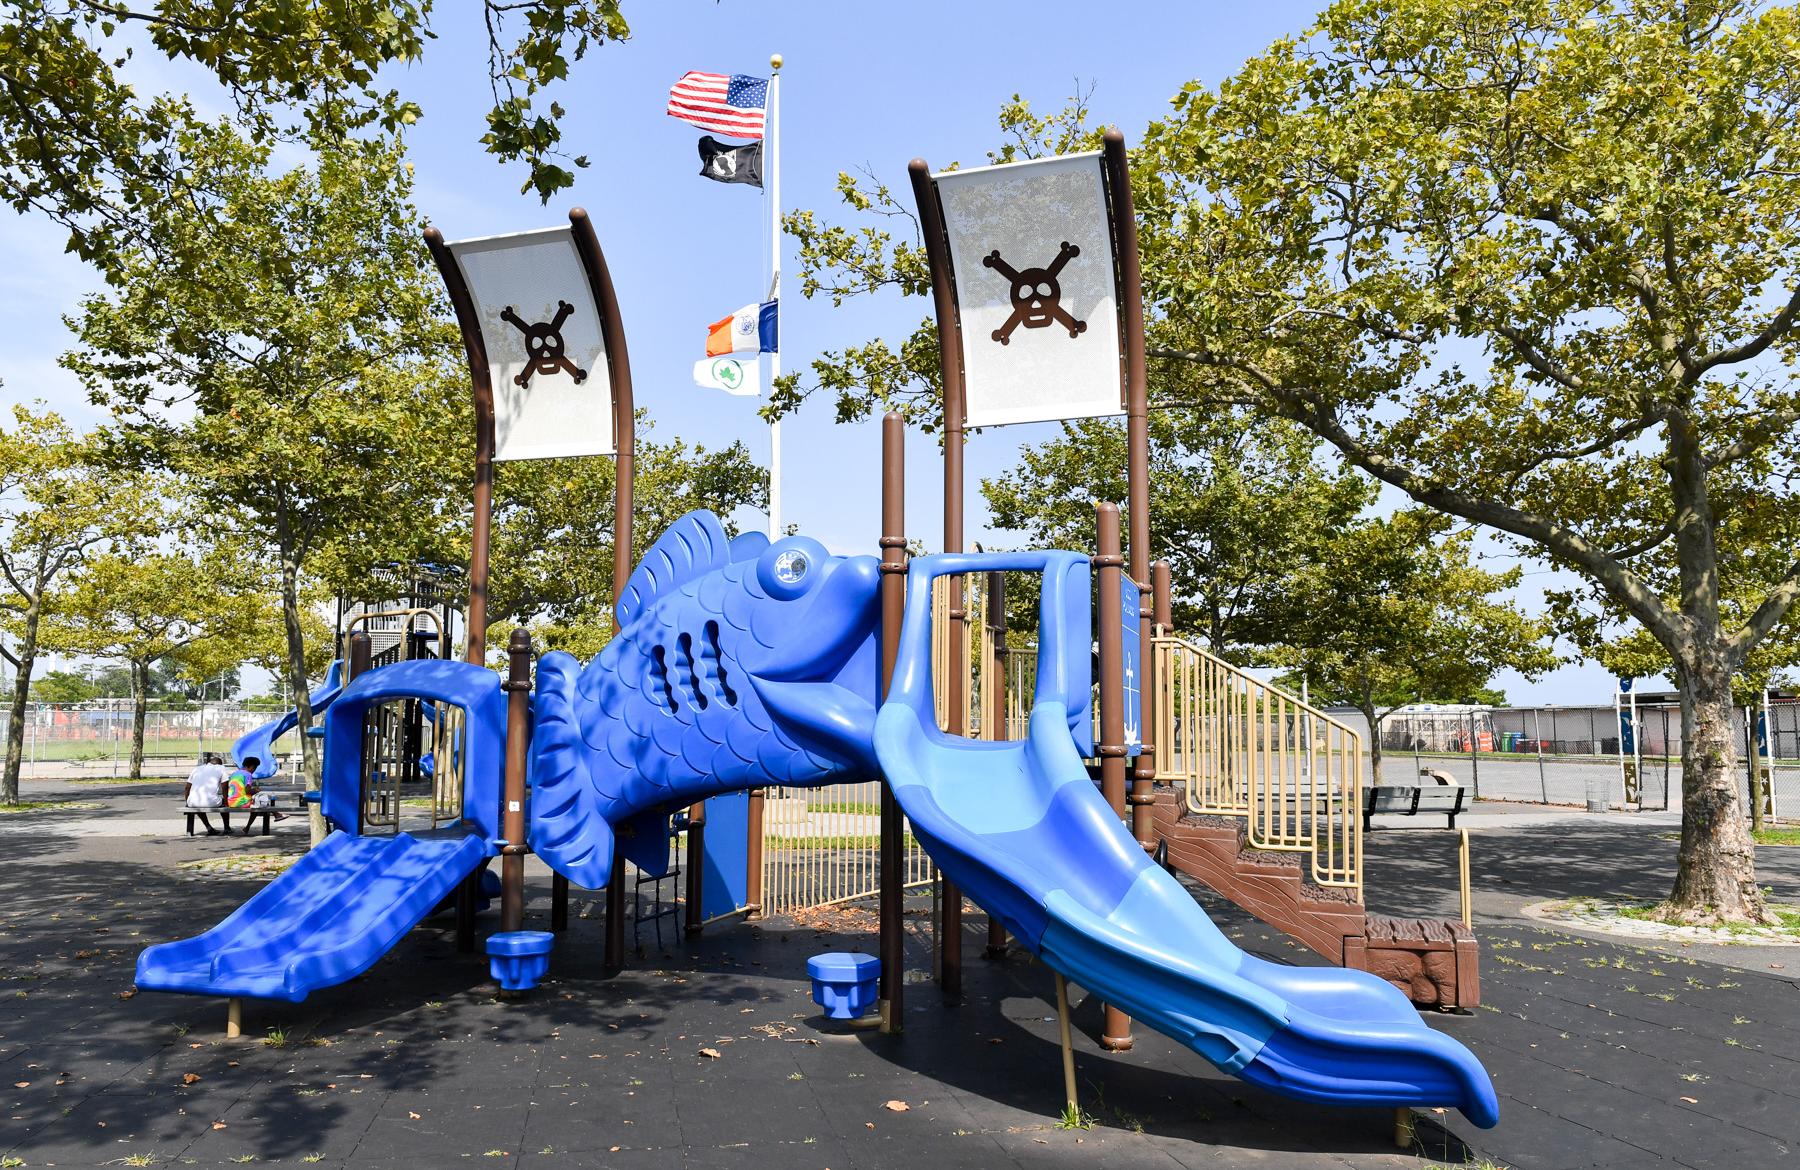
point(475, 349)
point(753, 852)
point(356, 662)
point(995, 690)
point(1137, 465)
point(893, 612)
point(512, 797)
point(618, 363)
point(1116, 1032)
point(931, 222)
point(696, 855)
point(1160, 590)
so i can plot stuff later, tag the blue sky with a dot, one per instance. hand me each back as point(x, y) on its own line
point(863, 85)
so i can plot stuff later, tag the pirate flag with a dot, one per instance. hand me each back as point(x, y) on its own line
point(731, 164)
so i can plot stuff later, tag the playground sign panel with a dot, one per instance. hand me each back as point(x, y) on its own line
point(546, 348)
point(1130, 598)
point(1031, 252)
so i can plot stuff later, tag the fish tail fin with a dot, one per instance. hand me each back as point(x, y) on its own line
point(568, 829)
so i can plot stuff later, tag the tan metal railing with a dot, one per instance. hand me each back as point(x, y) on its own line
point(1244, 748)
point(821, 847)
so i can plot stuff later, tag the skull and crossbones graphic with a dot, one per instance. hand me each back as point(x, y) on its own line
point(544, 345)
point(1036, 295)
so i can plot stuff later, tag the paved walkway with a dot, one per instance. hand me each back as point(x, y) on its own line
point(1605, 1055)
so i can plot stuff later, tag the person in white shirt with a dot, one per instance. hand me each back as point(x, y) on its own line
point(206, 789)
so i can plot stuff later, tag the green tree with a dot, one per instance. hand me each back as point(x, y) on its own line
point(59, 505)
point(1394, 611)
point(328, 419)
point(1533, 264)
point(553, 530)
point(82, 142)
point(1237, 506)
point(142, 608)
point(64, 686)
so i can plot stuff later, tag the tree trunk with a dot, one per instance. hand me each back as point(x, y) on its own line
point(296, 672)
point(140, 686)
point(1368, 711)
point(15, 724)
point(1717, 874)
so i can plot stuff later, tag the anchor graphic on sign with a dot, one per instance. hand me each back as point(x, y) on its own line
point(1131, 711)
point(544, 345)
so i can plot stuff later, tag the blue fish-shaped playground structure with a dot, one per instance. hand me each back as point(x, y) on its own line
point(738, 663)
point(741, 663)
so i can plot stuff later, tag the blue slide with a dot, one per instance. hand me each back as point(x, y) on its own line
point(347, 902)
point(260, 742)
point(327, 919)
point(1023, 830)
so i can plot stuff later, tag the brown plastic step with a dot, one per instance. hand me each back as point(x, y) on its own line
point(1436, 961)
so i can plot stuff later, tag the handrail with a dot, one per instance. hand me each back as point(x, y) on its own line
point(1462, 867)
point(1244, 748)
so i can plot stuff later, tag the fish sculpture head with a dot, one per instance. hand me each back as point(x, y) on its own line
point(739, 663)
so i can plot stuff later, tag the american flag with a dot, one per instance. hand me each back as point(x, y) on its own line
point(732, 105)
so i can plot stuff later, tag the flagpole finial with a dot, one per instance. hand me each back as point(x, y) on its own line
point(775, 62)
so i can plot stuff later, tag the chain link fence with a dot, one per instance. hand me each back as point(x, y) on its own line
point(76, 741)
point(1585, 755)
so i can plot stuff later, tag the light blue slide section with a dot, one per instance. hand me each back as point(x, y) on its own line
point(260, 742)
point(327, 919)
point(1023, 830)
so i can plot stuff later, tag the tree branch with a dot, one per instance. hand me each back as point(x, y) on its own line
point(1769, 614)
point(1770, 334)
point(1536, 359)
point(1754, 436)
point(1619, 581)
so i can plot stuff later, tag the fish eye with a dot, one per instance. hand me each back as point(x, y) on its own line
point(790, 566)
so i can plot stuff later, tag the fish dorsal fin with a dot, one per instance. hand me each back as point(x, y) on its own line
point(747, 546)
point(693, 545)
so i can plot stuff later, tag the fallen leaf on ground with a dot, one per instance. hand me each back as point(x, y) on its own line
point(128, 993)
point(710, 1053)
point(21, 1084)
point(412, 1115)
point(189, 1078)
point(218, 1125)
point(1692, 1100)
point(196, 1046)
point(870, 1124)
point(896, 1106)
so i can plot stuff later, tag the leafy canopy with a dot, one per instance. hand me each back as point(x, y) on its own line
point(80, 142)
point(1530, 261)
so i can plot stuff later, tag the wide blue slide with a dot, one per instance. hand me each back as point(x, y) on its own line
point(345, 903)
point(260, 742)
point(327, 919)
point(1024, 831)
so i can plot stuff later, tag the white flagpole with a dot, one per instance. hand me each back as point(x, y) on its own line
point(773, 155)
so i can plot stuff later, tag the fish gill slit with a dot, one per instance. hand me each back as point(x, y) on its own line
point(659, 670)
point(688, 673)
point(714, 663)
